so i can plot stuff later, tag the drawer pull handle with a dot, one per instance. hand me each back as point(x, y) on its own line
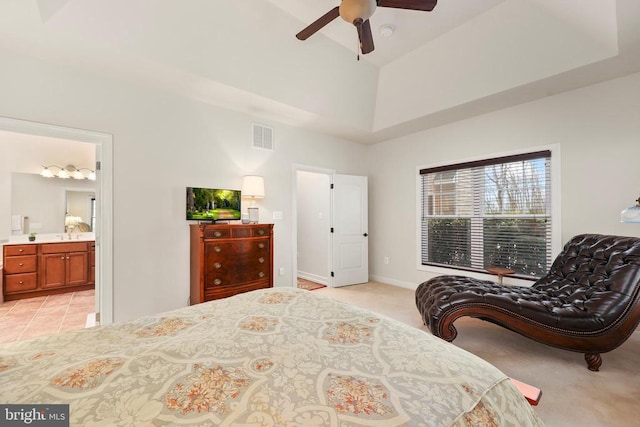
point(217, 282)
point(20, 264)
point(61, 257)
point(217, 234)
point(20, 250)
point(217, 249)
point(217, 266)
point(260, 260)
point(261, 232)
point(261, 245)
point(21, 282)
point(261, 274)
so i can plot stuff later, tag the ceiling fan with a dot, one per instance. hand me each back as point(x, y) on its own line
point(358, 12)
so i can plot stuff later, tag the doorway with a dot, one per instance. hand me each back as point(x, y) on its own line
point(313, 229)
point(311, 244)
point(104, 196)
point(330, 244)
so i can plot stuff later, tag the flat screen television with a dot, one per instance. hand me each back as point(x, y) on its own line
point(212, 204)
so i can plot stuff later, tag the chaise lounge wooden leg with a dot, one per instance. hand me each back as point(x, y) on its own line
point(594, 360)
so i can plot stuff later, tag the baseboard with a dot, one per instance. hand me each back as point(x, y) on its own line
point(394, 282)
point(91, 320)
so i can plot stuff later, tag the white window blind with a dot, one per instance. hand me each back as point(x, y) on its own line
point(489, 213)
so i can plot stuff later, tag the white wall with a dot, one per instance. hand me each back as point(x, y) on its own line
point(313, 203)
point(597, 129)
point(161, 144)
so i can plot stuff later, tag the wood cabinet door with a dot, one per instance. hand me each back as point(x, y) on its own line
point(53, 270)
point(77, 268)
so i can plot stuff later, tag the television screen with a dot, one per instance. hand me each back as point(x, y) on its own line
point(212, 204)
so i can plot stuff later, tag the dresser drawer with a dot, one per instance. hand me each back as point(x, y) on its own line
point(55, 248)
point(20, 283)
point(232, 250)
point(217, 233)
point(20, 264)
point(223, 292)
point(240, 232)
point(12, 250)
point(260, 231)
point(229, 279)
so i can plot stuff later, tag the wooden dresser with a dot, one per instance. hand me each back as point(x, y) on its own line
point(37, 269)
point(228, 259)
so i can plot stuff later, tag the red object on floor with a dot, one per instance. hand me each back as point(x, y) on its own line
point(531, 393)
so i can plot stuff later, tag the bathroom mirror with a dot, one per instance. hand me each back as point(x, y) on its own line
point(45, 201)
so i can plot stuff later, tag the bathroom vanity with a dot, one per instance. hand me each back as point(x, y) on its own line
point(46, 267)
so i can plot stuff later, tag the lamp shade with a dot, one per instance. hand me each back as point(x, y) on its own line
point(253, 186)
point(631, 214)
point(72, 221)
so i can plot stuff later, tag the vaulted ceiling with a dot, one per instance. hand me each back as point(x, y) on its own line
point(463, 59)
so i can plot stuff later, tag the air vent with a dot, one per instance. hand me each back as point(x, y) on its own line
point(262, 137)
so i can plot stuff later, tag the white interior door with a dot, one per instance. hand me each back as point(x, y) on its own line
point(350, 249)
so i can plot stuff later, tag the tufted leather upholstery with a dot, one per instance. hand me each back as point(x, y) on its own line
point(588, 301)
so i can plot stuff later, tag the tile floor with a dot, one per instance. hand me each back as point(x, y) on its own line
point(33, 317)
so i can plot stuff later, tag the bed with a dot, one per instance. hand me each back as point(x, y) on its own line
point(271, 357)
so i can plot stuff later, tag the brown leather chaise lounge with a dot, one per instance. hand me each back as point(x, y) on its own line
point(589, 302)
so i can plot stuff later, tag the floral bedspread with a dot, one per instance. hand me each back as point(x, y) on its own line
point(273, 357)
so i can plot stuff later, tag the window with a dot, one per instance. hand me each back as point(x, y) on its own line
point(488, 213)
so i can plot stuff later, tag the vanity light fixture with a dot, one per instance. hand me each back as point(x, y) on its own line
point(70, 171)
point(46, 172)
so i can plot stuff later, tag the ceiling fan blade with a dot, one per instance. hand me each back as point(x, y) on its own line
point(366, 38)
point(316, 25)
point(424, 5)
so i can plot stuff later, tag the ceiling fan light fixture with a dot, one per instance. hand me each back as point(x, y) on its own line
point(353, 10)
point(358, 12)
